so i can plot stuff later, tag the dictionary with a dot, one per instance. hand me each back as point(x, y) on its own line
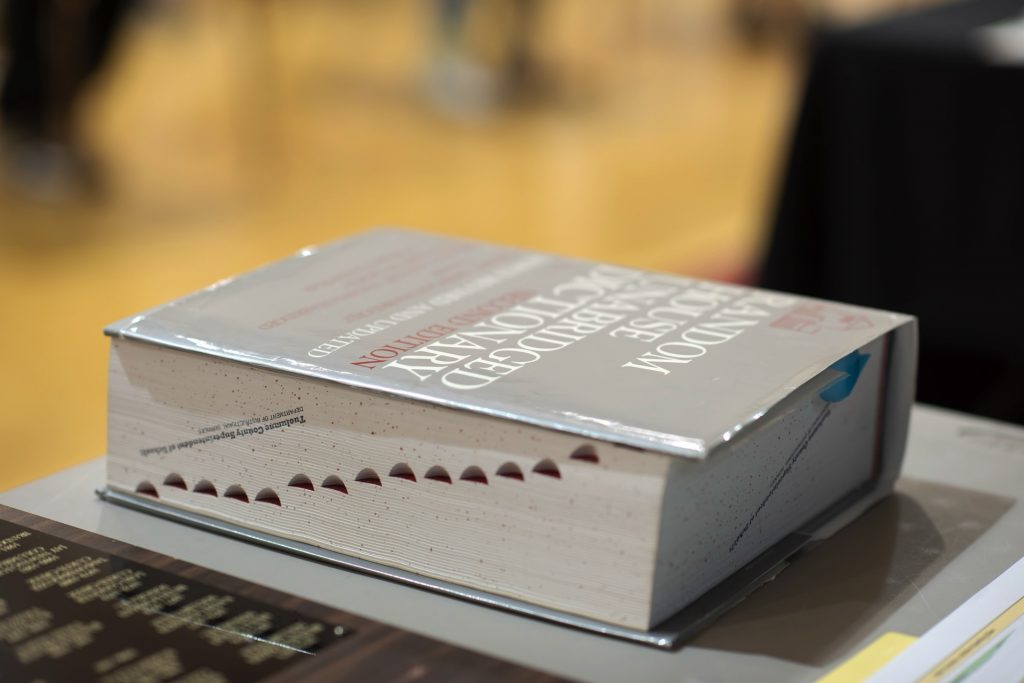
point(513, 427)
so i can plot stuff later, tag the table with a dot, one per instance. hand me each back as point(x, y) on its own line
point(953, 525)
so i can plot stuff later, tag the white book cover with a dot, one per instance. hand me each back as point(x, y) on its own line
point(633, 357)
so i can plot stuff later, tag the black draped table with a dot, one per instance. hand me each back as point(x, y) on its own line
point(904, 189)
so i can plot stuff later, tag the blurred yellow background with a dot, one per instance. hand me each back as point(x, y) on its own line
point(233, 133)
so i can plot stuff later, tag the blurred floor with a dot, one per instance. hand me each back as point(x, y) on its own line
point(236, 132)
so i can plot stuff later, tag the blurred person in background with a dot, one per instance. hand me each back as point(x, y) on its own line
point(464, 78)
point(53, 49)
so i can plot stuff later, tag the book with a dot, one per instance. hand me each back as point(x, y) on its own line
point(598, 440)
point(83, 607)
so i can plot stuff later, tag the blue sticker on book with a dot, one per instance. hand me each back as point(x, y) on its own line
point(842, 387)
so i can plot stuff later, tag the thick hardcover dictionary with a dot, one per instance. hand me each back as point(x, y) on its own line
point(595, 440)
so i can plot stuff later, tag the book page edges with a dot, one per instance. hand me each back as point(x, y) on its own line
point(899, 400)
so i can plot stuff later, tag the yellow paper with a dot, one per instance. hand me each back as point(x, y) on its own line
point(869, 660)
